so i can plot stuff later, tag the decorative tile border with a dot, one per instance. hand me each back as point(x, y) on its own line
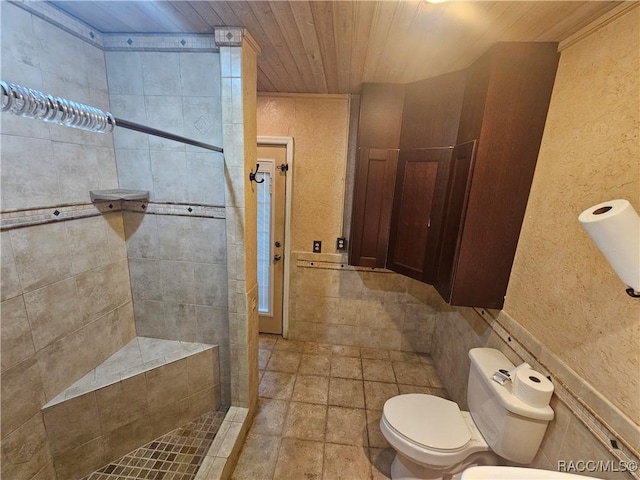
point(41, 216)
point(55, 16)
point(182, 210)
point(330, 261)
point(229, 36)
point(178, 42)
point(165, 42)
point(235, 37)
point(565, 381)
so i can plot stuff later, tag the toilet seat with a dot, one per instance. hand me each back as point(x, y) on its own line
point(429, 421)
point(430, 430)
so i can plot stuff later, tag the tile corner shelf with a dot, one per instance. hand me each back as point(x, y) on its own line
point(118, 194)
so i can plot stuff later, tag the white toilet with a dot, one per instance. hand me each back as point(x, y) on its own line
point(434, 439)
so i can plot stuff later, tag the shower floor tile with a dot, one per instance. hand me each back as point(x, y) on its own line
point(176, 455)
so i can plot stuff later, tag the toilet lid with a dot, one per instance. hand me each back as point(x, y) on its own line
point(428, 420)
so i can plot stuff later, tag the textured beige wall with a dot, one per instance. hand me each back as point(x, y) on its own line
point(329, 303)
point(319, 125)
point(562, 290)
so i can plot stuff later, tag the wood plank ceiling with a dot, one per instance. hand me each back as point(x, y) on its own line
point(335, 46)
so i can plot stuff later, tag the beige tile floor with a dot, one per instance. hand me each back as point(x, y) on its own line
point(320, 406)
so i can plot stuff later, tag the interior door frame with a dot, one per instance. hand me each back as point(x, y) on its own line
point(287, 142)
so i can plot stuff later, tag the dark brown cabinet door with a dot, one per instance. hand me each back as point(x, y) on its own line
point(373, 200)
point(429, 127)
point(378, 143)
point(417, 208)
point(505, 107)
point(459, 177)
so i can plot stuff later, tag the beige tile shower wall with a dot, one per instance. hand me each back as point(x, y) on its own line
point(178, 263)
point(66, 307)
point(238, 59)
point(178, 276)
point(178, 92)
point(562, 290)
point(66, 298)
point(319, 125)
point(62, 163)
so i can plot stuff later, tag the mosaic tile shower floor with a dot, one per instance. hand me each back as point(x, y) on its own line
point(176, 455)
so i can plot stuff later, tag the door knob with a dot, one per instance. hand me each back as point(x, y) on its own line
point(276, 257)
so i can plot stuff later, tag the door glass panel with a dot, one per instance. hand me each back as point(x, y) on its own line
point(271, 241)
point(264, 243)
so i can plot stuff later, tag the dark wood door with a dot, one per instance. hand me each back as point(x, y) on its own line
point(373, 200)
point(417, 207)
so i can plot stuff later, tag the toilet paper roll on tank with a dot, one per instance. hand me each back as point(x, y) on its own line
point(532, 387)
point(614, 227)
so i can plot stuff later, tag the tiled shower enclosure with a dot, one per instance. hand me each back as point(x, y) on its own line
point(115, 316)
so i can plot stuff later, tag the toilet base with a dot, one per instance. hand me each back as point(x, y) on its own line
point(403, 468)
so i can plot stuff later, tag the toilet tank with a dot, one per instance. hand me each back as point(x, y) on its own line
point(512, 428)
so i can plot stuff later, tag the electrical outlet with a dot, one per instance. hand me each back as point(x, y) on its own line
point(341, 243)
point(317, 246)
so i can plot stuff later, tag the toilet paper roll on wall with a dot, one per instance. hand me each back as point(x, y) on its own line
point(614, 227)
point(532, 387)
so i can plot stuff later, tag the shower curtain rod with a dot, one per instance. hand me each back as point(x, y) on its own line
point(119, 122)
point(29, 103)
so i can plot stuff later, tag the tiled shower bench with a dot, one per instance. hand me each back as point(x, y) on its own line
point(147, 388)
